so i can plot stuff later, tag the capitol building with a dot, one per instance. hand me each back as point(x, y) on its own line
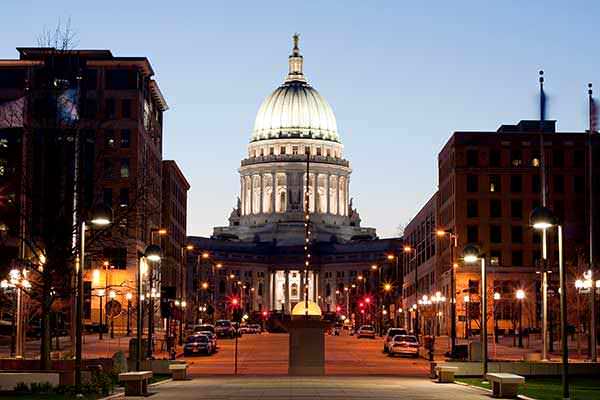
point(295, 143)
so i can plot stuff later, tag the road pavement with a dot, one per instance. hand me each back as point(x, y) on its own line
point(267, 354)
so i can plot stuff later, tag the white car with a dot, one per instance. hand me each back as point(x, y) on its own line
point(404, 344)
point(366, 331)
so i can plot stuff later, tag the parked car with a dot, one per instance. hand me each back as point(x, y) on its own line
point(203, 328)
point(366, 331)
point(196, 344)
point(404, 344)
point(224, 328)
point(391, 332)
point(256, 328)
point(245, 329)
point(212, 336)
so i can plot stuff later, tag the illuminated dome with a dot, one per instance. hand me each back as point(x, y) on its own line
point(295, 109)
point(301, 309)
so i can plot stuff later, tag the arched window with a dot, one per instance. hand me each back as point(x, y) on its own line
point(294, 289)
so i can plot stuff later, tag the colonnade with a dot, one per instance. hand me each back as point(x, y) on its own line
point(282, 297)
point(266, 193)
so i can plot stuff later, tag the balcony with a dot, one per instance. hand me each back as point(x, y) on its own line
point(294, 158)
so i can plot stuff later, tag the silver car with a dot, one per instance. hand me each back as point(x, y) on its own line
point(404, 344)
point(391, 332)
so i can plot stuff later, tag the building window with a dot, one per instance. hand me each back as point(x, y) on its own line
point(472, 183)
point(495, 208)
point(579, 159)
point(116, 257)
point(495, 234)
point(516, 209)
point(472, 233)
point(472, 208)
point(472, 158)
point(109, 138)
point(559, 183)
point(107, 197)
point(125, 138)
point(516, 183)
point(318, 151)
point(123, 197)
point(516, 234)
point(517, 258)
point(536, 186)
point(516, 157)
point(558, 158)
point(110, 108)
point(495, 256)
point(125, 168)
point(295, 150)
point(495, 158)
point(126, 108)
point(271, 151)
point(282, 150)
point(579, 184)
point(495, 186)
point(108, 168)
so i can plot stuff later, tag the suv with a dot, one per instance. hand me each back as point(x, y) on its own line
point(366, 331)
point(390, 335)
point(224, 328)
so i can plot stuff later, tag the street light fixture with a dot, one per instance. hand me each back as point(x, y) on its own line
point(520, 295)
point(471, 254)
point(152, 253)
point(542, 218)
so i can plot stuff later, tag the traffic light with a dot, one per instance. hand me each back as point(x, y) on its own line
point(361, 305)
point(265, 314)
point(367, 300)
point(338, 308)
point(235, 302)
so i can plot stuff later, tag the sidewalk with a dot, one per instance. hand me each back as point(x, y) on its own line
point(504, 349)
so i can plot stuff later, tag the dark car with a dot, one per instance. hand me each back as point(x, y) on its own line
point(198, 344)
point(224, 328)
point(390, 334)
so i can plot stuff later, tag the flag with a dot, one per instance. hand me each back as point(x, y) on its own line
point(542, 104)
point(12, 113)
point(593, 115)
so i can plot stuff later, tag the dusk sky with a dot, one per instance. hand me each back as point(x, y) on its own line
point(399, 76)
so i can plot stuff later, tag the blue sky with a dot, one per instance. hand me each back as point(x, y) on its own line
point(399, 75)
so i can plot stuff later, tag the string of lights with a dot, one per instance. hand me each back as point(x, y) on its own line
point(306, 233)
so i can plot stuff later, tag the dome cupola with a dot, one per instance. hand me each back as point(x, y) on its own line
point(295, 109)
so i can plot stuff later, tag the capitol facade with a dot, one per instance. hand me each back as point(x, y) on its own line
point(259, 255)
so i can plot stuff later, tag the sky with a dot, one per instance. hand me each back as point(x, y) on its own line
point(400, 76)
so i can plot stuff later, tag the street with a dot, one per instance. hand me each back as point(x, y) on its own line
point(267, 354)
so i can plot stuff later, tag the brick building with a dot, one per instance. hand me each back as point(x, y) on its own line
point(488, 184)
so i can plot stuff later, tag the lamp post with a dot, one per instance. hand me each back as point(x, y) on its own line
point(438, 300)
point(583, 286)
point(101, 216)
point(101, 293)
point(472, 254)
point(128, 296)
point(112, 295)
point(18, 281)
point(497, 297)
point(467, 300)
point(520, 295)
point(407, 250)
point(542, 218)
point(151, 254)
point(454, 244)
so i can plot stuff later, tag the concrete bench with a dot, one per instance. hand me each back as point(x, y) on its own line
point(505, 385)
point(136, 383)
point(445, 373)
point(178, 371)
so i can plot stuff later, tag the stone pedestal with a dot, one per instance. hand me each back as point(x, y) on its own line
point(306, 346)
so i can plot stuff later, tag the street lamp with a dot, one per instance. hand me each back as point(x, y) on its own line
point(101, 293)
point(17, 280)
point(467, 300)
point(542, 218)
point(471, 254)
point(454, 244)
point(101, 216)
point(438, 299)
point(520, 295)
point(407, 249)
point(152, 253)
point(497, 297)
point(112, 295)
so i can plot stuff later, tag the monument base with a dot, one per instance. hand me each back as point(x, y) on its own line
point(306, 346)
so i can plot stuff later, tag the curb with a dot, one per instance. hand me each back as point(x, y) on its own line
point(519, 396)
point(121, 392)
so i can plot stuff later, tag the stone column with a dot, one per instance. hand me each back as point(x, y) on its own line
point(273, 275)
point(301, 293)
point(267, 291)
point(262, 193)
point(327, 193)
point(286, 291)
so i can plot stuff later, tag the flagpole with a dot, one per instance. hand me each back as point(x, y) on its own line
point(544, 235)
point(592, 116)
